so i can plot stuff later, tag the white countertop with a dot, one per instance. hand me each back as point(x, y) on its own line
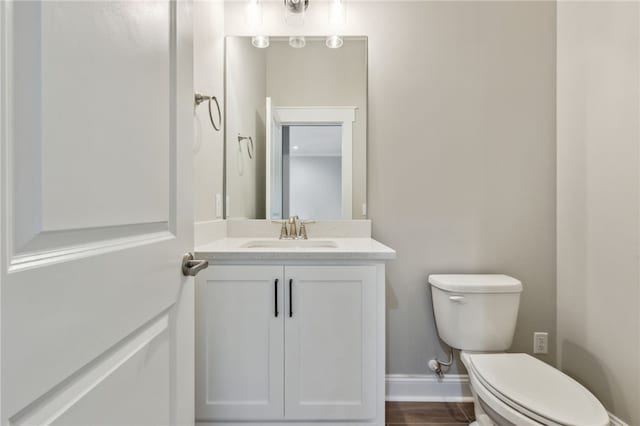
point(347, 249)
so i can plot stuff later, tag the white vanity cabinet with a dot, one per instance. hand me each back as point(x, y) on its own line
point(290, 344)
point(239, 343)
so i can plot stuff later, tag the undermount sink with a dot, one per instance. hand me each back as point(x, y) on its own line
point(290, 244)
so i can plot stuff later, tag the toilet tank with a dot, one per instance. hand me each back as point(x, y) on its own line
point(476, 312)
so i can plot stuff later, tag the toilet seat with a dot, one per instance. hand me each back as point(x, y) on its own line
point(535, 389)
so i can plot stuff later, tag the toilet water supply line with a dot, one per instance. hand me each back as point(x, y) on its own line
point(436, 365)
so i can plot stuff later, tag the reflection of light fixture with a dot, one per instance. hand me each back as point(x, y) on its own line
point(294, 11)
point(334, 42)
point(297, 42)
point(295, 147)
point(260, 41)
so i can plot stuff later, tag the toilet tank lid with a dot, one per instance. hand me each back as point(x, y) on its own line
point(476, 283)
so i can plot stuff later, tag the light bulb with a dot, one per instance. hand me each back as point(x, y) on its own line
point(260, 41)
point(334, 42)
point(297, 42)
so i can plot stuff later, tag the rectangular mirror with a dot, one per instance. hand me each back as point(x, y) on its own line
point(296, 129)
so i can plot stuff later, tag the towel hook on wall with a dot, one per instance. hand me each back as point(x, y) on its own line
point(249, 140)
point(199, 98)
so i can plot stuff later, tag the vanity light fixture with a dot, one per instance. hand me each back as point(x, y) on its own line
point(294, 11)
point(297, 42)
point(260, 41)
point(334, 42)
point(296, 6)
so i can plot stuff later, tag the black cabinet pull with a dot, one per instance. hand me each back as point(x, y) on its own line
point(290, 297)
point(275, 286)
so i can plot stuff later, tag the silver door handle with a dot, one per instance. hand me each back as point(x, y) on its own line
point(191, 267)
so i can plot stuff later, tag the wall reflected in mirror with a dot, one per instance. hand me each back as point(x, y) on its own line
point(312, 172)
point(296, 129)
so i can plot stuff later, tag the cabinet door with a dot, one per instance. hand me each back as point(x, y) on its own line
point(330, 342)
point(239, 343)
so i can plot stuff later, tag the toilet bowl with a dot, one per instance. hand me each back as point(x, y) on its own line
point(477, 315)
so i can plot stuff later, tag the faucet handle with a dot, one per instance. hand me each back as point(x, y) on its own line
point(283, 229)
point(303, 228)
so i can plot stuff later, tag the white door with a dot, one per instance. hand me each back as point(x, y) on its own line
point(330, 342)
point(239, 352)
point(274, 162)
point(96, 109)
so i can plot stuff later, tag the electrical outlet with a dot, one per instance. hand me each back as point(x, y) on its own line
point(540, 343)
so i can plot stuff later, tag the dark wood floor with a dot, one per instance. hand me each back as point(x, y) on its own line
point(429, 413)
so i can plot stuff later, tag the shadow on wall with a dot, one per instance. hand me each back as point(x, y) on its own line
point(391, 303)
point(576, 361)
point(442, 351)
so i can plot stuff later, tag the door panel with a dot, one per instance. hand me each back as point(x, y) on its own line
point(239, 343)
point(139, 364)
point(330, 342)
point(96, 135)
point(132, 46)
point(144, 375)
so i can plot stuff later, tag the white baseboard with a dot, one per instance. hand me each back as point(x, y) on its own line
point(428, 388)
point(615, 421)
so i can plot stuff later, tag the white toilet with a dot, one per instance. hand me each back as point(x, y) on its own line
point(477, 314)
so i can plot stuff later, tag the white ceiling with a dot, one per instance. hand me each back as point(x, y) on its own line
point(315, 141)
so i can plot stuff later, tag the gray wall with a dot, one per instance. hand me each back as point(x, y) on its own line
point(208, 57)
point(462, 159)
point(461, 152)
point(599, 200)
point(315, 188)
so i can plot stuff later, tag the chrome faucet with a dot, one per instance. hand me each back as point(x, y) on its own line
point(293, 229)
